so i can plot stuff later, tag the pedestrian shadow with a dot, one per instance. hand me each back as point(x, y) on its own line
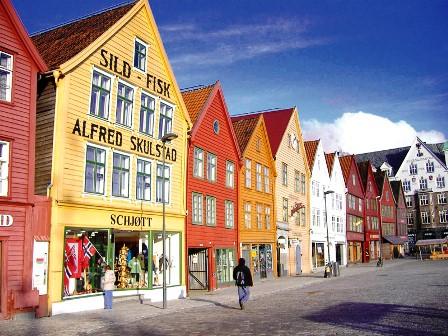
point(218, 304)
point(385, 319)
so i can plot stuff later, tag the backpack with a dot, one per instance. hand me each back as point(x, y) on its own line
point(240, 278)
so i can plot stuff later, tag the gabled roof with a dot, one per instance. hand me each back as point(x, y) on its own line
point(60, 44)
point(379, 179)
point(23, 35)
point(346, 162)
point(195, 100)
point(276, 124)
point(329, 158)
point(244, 129)
point(363, 168)
point(396, 189)
point(311, 149)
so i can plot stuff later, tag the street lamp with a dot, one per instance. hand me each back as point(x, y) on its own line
point(164, 139)
point(326, 222)
point(380, 216)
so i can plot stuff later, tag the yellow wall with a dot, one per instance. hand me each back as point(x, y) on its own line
point(71, 205)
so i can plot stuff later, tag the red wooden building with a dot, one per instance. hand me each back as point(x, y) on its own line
point(400, 204)
point(24, 218)
point(212, 190)
point(371, 212)
point(355, 209)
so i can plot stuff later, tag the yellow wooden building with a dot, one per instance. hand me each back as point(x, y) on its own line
point(256, 199)
point(101, 113)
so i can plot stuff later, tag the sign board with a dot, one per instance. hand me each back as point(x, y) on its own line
point(6, 220)
point(40, 267)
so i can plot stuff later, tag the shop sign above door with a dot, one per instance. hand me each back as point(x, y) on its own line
point(6, 220)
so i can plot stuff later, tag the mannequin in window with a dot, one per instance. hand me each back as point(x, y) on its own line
point(134, 266)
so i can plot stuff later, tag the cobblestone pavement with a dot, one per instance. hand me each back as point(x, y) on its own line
point(405, 297)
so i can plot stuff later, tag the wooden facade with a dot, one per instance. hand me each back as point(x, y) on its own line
point(23, 216)
point(116, 55)
point(257, 212)
point(212, 182)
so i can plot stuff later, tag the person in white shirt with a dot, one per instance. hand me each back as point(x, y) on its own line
point(109, 286)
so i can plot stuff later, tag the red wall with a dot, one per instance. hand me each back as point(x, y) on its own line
point(223, 147)
point(371, 193)
point(358, 191)
point(389, 201)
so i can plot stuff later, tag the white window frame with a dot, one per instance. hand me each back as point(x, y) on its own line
point(443, 216)
point(440, 180)
point(408, 201)
point(197, 208)
point(258, 176)
point(198, 163)
point(410, 218)
point(248, 173)
point(168, 194)
point(259, 216)
point(9, 77)
point(441, 198)
point(285, 209)
point(173, 107)
point(284, 174)
point(430, 166)
point(111, 84)
point(229, 214)
point(413, 169)
point(230, 174)
point(145, 110)
point(267, 182)
point(425, 217)
point(212, 167)
point(247, 215)
point(5, 158)
point(423, 183)
point(129, 156)
point(210, 210)
point(146, 45)
point(407, 185)
point(137, 174)
point(125, 101)
point(106, 151)
point(267, 217)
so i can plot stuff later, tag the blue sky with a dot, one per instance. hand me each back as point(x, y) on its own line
point(332, 59)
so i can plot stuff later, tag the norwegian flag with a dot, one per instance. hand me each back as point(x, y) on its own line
point(88, 250)
point(69, 266)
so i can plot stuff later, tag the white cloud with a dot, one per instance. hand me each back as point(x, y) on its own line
point(362, 132)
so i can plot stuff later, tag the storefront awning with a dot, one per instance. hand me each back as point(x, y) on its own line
point(426, 242)
point(396, 240)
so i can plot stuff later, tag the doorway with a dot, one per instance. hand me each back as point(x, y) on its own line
point(298, 259)
point(339, 254)
point(197, 269)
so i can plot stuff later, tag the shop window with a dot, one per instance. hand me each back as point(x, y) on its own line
point(247, 216)
point(211, 167)
point(225, 262)
point(95, 170)
point(166, 119)
point(230, 174)
point(143, 180)
point(125, 102)
point(259, 217)
point(248, 177)
point(267, 188)
point(197, 208)
point(147, 114)
point(5, 76)
point(140, 51)
point(198, 162)
point(4, 168)
point(284, 174)
point(258, 176)
point(163, 180)
point(229, 214)
point(120, 175)
point(318, 254)
point(210, 216)
point(100, 95)
point(171, 261)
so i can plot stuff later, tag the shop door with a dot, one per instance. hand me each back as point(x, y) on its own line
point(298, 259)
point(263, 262)
point(198, 269)
point(339, 254)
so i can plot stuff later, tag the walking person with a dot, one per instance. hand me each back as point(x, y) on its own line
point(243, 279)
point(109, 286)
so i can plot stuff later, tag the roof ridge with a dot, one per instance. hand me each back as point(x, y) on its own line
point(274, 109)
point(101, 11)
point(196, 87)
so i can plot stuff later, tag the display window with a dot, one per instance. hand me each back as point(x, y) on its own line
point(171, 261)
point(260, 256)
point(225, 262)
point(318, 254)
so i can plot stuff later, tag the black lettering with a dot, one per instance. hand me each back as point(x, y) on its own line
point(149, 80)
point(133, 146)
point(102, 134)
point(159, 86)
point(84, 126)
point(166, 89)
point(111, 61)
point(103, 55)
point(116, 65)
point(126, 69)
point(146, 147)
point(158, 150)
point(77, 128)
point(137, 221)
point(110, 136)
point(118, 219)
point(93, 129)
point(118, 139)
point(150, 149)
point(112, 219)
point(167, 154)
point(173, 155)
point(139, 145)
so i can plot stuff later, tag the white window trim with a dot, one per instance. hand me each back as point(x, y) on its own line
point(156, 103)
point(152, 178)
point(193, 194)
point(8, 162)
point(136, 39)
point(134, 89)
point(216, 167)
point(112, 85)
point(158, 119)
point(209, 197)
point(203, 162)
point(233, 174)
point(9, 96)
point(226, 222)
point(131, 159)
point(107, 150)
point(170, 168)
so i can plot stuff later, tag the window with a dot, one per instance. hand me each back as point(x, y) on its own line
point(440, 181)
point(374, 223)
point(413, 169)
point(410, 218)
point(430, 166)
point(95, 170)
point(302, 181)
point(339, 201)
point(125, 101)
point(143, 180)
point(296, 181)
point(5, 76)
point(140, 51)
point(360, 204)
point(302, 216)
point(425, 217)
point(313, 220)
point(230, 174)
point(407, 185)
point(197, 208)
point(388, 229)
point(339, 227)
point(353, 179)
point(248, 177)
point(267, 187)
point(267, 217)
point(210, 216)
point(259, 217)
point(284, 174)
point(423, 183)
point(408, 201)
point(100, 95)
point(441, 198)
point(443, 216)
point(147, 114)
point(285, 210)
point(163, 179)
point(355, 223)
point(258, 176)
point(258, 144)
point(211, 167)
point(4, 168)
point(198, 162)
point(317, 189)
point(333, 223)
point(247, 216)
point(318, 217)
point(216, 127)
point(166, 119)
point(229, 214)
point(120, 175)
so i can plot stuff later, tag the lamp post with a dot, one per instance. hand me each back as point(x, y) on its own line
point(380, 222)
point(164, 139)
point(326, 222)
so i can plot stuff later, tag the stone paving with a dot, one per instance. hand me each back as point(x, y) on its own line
point(405, 297)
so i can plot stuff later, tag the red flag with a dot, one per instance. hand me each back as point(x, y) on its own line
point(89, 250)
point(69, 266)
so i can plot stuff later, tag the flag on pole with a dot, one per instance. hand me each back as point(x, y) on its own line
point(89, 251)
point(69, 265)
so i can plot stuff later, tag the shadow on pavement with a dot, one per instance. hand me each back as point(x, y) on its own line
point(215, 303)
point(385, 319)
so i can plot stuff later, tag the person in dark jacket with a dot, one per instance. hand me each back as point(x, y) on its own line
point(243, 279)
